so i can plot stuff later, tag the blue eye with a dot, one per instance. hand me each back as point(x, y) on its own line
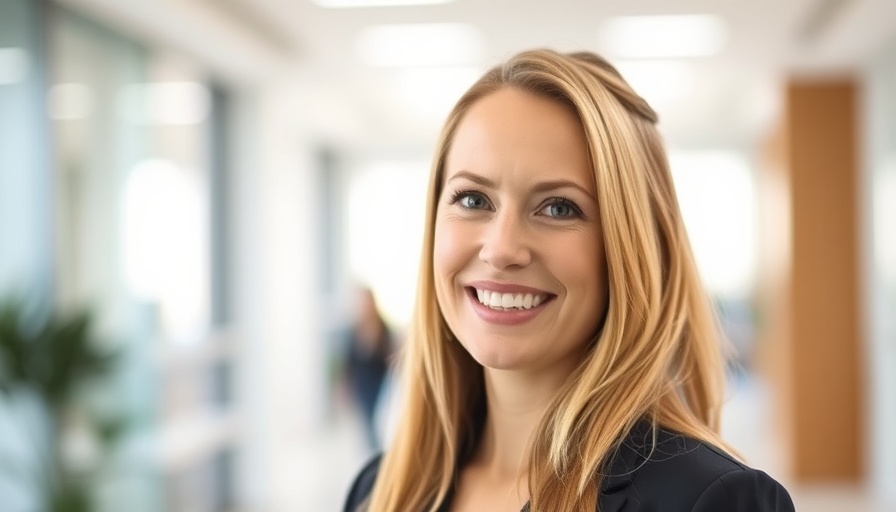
point(474, 202)
point(561, 208)
point(470, 200)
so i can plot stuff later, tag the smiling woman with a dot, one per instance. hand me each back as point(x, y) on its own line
point(563, 354)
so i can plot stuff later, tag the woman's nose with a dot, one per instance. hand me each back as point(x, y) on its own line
point(505, 242)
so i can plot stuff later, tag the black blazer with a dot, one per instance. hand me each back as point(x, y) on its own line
point(679, 474)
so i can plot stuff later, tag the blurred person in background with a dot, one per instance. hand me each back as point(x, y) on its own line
point(563, 354)
point(368, 352)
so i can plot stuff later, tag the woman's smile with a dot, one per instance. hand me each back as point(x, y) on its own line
point(507, 304)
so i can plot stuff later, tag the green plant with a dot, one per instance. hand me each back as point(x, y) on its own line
point(51, 355)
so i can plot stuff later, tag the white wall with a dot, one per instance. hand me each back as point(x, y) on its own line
point(879, 253)
point(281, 388)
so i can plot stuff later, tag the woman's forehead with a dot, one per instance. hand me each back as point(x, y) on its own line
point(511, 130)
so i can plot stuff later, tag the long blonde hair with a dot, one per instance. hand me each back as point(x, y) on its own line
point(657, 356)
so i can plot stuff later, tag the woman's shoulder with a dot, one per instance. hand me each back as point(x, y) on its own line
point(661, 469)
point(363, 484)
point(658, 470)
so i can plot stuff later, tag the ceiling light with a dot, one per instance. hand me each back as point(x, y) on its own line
point(13, 65)
point(342, 4)
point(657, 37)
point(425, 44)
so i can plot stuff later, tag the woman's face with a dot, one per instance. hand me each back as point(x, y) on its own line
point(519, 264)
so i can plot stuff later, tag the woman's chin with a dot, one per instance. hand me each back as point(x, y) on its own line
point(500, 357)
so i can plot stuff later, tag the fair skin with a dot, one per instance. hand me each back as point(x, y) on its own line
point(520, 273)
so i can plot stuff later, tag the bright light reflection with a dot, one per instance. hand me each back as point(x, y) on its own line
point(658, 81)
point(433, 91)
point(884, 222)
point(717, 199)
point(164, 245)
point(656, 37)
point(165, 103)
point(387, 204)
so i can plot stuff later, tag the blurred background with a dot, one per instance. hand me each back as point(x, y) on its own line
point(192, 193)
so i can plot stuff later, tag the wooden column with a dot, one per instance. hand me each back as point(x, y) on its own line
point(813, 341)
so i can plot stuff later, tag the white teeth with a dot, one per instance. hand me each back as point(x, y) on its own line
point(496, 300)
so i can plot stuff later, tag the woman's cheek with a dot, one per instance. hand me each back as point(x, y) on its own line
point(453, 246)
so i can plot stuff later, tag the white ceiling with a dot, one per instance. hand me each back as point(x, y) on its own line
point(728, 100)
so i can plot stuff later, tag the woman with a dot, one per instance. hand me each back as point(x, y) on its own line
point(367, 359)
point(563, 355)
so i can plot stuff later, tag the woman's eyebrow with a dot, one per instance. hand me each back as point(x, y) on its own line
point(475, 178)
point(546, 186)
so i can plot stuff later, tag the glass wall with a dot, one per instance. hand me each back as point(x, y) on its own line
point(113, 186)
point(25, 238)
point(25, 225)
point(140, 173)
point(99, 146)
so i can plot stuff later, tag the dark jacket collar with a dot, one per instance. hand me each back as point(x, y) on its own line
point(639, 446)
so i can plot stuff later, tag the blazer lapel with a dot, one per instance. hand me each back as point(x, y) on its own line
point(616, 486)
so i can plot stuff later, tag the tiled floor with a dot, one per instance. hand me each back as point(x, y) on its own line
point(324, 467)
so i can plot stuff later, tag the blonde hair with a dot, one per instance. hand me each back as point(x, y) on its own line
point(657, 356)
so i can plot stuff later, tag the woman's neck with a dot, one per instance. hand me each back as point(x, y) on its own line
point(516, 404)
